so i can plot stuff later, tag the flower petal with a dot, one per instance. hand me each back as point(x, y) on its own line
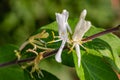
point(61, 20)
point(77, 48)
point(58, 55)
point(65, 12)
point(82, 27)
point(83, 14)
point(68, 27)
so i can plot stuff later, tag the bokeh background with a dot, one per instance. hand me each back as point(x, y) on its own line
point(20, 18)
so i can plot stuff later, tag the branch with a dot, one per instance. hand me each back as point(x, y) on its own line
point(54, 51)
point(102, 33)
point(16, 61)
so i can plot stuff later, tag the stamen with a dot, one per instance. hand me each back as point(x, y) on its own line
point(53, 34)
point(71, 48)
point(54, 41)
point(31, 50)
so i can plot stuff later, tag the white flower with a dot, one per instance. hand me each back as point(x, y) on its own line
point(81, 28)
point(63, 28)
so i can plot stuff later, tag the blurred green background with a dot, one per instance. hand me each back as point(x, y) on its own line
point(20, 18)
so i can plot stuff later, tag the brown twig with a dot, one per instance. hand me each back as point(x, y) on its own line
point(16, 61)
point(102, 33)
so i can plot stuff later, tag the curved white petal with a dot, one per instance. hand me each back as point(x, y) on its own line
point(65, 12)
point(82, 27)
point(58, 55)
point(68, 27)
point(63, 25)
point(77, 48)
point(78, 29)
point(83, 14)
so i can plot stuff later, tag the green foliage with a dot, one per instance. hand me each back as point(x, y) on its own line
point(13, 72)
point(7, 53)
point(99, 61)
point(93, 67)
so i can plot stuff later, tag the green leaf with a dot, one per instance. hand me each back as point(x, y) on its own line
point(106, 46)
point(114, 48)
point(44, 75)
point(48, 75)
point(62, 72)
point(93, 67)
point(67, 58)
point(14, 72)
point(104, 49)
point(7, 53)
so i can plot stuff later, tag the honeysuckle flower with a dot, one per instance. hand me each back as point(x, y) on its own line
point(81, 28)
point(63, 28)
